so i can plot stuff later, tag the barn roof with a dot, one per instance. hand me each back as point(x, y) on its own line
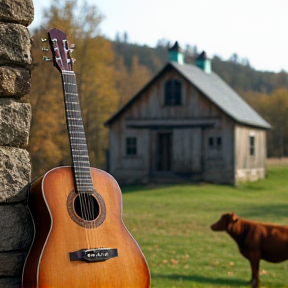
point(215, 89)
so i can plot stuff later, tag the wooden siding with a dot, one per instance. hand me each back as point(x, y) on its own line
point(249, 167)
point(219, 162)
point(189, 126)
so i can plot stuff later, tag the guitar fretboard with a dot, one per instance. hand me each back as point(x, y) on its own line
point(78, 144)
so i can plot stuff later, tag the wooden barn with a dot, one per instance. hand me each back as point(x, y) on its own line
point(187, 123)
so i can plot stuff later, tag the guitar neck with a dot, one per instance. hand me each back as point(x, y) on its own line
point(78, 144)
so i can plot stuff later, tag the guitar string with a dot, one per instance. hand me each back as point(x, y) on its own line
point(72, 137)
point(78, 162)
point(82, 176)
point(88, 205)
point(84, 167)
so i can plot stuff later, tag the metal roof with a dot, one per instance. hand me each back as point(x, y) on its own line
point(221, 94)
point(215, 89)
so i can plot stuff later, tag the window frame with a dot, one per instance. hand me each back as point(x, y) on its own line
point(252, 145)
point(173, 92)
point(131, 146)
point(215, 143)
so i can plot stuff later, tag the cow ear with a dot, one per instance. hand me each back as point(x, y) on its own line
point(234, 218)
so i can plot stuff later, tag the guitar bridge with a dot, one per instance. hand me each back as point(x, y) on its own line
point(93, 255)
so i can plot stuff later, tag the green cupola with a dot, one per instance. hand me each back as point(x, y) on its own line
point(203, 62)
point(176, 54)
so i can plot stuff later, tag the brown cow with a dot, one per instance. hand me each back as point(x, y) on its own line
point(255, 240)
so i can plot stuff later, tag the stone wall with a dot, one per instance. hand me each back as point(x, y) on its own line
point(16, 230)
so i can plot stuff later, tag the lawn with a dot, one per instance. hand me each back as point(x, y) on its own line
point(172, 226)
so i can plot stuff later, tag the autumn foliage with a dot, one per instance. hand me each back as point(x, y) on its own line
point(105, 82)
point(98, 73)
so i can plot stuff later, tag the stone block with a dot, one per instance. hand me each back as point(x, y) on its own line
point(16, 227)
point(14, 82)
point(19, 11)
point(11, 282)
point(12, 262)
point(15, 170)
point(16, 49)
point(15, 120)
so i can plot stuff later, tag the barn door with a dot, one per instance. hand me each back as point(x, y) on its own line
point(164, 151)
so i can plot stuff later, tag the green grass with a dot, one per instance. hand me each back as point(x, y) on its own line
point(172, 226)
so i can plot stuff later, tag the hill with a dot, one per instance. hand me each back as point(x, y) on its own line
point(236, 72)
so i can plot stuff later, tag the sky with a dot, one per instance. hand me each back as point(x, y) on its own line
point(253, 29)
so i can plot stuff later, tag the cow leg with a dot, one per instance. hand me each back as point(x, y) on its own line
point(254, 262)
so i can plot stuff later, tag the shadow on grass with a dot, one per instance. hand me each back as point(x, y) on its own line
point(202, 279)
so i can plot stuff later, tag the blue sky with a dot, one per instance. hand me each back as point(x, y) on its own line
point(253, 29)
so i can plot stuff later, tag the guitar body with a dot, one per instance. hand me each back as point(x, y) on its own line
point(58, 232)
point(80, 240)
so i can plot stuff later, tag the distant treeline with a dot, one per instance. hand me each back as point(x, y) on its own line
point(109, 73)
point(236, 72)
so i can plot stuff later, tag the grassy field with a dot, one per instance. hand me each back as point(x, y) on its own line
point(172, 226)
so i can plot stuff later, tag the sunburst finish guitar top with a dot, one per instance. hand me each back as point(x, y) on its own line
point(80, 239)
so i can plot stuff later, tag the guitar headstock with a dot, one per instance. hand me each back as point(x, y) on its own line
point(61, 51)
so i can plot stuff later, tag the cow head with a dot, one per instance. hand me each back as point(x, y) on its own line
point(225, 223)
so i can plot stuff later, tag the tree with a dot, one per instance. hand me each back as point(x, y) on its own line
point(95, 81)
point(130, 81)
point(275, 109)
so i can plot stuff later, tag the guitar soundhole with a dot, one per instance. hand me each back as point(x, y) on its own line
point(86, 207)
point(86, 210)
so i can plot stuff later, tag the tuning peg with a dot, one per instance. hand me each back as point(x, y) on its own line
point(46, 59)
point(45, 49)
point(73, 46)
point(43, 40)
point(73, 60)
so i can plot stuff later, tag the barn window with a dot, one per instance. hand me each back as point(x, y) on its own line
point(215, 142)
point(218, 142)
point(173, 92)
point(131, 146)
point(211, 142)
point(252, 145)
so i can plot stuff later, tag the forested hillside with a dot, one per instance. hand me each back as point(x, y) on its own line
point(236, 72)
point(109, 73)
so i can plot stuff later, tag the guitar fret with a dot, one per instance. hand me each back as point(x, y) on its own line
point(73, 106)
point(82, 169)
point(75, 125)
point(78, 145)
point(79, 161)
point(74, 118)
point(81, 156)
point(86, 180)
point(76, 142)
point(84, 183)
point(86, 188)
point(83, 177)
point(77, 132)
point(74, 111)
point(72, 95)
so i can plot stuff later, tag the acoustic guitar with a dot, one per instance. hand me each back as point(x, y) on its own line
point(80, 239)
